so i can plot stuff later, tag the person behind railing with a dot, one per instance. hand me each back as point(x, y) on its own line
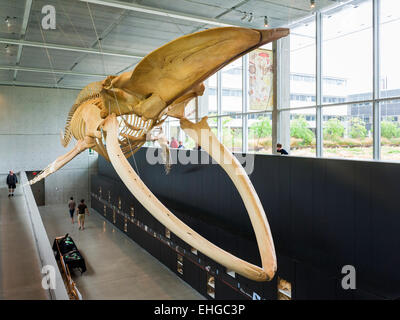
point(12, 180)
point(280, 150)
point(174, 143)
point(180, 146)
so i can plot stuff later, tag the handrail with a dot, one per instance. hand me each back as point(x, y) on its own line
point(45, 252)
point(71, 286)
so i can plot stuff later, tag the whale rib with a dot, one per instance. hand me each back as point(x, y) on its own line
point(142, 193)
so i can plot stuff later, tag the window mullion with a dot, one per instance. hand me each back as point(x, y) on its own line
point(318, 100)
point(376, 76)
point(245, 77)
point(219, 106)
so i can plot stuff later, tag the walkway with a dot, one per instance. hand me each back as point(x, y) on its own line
point(118, 268)
point(20, 276)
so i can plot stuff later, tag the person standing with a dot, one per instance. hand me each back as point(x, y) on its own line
point(12, 180)
point(82, 210)
point(174, 143)
point(180, 146)
point(71, 206)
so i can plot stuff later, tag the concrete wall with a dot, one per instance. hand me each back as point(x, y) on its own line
point(31, 120)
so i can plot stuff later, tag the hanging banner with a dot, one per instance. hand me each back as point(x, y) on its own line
point(260, 80)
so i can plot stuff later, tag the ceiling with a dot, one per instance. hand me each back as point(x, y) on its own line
point(71, 55)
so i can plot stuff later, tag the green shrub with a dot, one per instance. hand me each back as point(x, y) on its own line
point(261, 128)
point(299, 129)
point(296, 143)
point(390, 129)
point(358, 129)
point(333, 129)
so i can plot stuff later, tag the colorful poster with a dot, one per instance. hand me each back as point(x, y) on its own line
point(260, 80)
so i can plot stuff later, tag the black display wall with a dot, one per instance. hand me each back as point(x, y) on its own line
point(324, 214)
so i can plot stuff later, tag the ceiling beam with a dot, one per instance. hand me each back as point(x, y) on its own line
point(70, 48)
point(36, 84)
point(164, 13)
point(27, 12)
point(39, 70)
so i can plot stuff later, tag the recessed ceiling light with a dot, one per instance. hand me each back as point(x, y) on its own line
point(8, 50)
point(250, 18)
point(266, 24)
point(312, 4)
point(10, 22)
point(244, 16)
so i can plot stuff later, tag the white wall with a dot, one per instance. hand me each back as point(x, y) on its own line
point(31, 120)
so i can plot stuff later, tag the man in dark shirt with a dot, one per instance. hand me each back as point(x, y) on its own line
point(82, 210)
point(280, 149)
point(11, 182)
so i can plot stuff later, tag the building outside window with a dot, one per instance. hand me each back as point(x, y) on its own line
point(346, 78)
point(302, 64)
point(346, 135)
point(232, 87)
point(239, 98)
point(347, 50)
